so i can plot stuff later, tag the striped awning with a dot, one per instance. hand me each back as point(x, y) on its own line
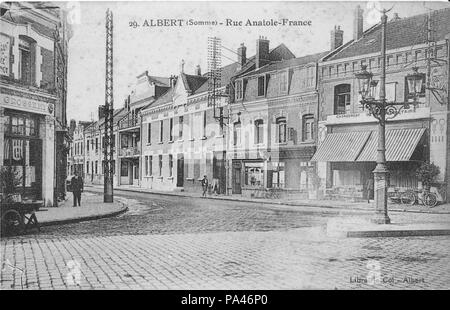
point(342, 146)
point(400, 145)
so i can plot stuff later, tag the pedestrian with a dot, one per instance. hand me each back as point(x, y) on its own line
point(204, 185)
point(369, 188)
point(77, 187)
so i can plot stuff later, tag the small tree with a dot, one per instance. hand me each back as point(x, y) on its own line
point(427, 174)
point(10, 180)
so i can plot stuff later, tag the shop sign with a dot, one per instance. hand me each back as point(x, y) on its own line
point(5, 48)
point(24, 104)
point(365, 117)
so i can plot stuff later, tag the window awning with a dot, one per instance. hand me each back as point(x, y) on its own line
point(362, 146)
point(342, 146)
point(400, 144)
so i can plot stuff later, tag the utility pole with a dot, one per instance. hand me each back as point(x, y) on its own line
point(108, 151)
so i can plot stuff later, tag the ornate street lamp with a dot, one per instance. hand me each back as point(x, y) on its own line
point(382, 111)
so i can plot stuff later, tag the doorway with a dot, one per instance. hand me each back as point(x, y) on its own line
point(180, 170)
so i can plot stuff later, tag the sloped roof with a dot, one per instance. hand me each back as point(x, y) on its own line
point(279, 65)
point(165, 98)
point(193, 82)
point(399, 33)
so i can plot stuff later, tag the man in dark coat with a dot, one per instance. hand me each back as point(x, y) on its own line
point(204, 185)
point(77, 188)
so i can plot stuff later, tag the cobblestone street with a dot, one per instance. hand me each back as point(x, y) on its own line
point(169, 243)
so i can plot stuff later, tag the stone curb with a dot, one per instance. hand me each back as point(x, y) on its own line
point(397, 233)
point(273, 202)
point(85, 218)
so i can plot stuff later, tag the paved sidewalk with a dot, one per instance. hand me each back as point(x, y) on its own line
point(92, 207)
point(332, 204)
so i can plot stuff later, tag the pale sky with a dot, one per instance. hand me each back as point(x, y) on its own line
point(161, 49)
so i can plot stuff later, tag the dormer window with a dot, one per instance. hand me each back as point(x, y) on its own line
point(261, 86)
point(239, 90)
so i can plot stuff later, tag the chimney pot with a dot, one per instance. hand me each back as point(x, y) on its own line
point(358, 23)
point(242, 56)
point(337, 37)
point(198, 70)
point(262, 52)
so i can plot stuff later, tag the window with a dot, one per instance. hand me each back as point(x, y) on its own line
point(308, 127)
point(149, 133)
point(281, 129)
point(180, 127)
point(124, 169)
point(87, 167)
point(259, 131)
point(237, 133)
point(96, 167)
point(342, 99)
point(21, 125)
point(160, 159)
point(146, 165)
point(261, 85)
point(25, 61)
point(161, 128)
point(254, 175)
point(87, 145)
point(170, 165)
point(284, 82)
point(171, 129)
point(191, 127)
point(204, 125)
point(92, 167)
point(278, 174)
point(239, 90)
point(310, 76)
point(150, 165)
point(96, 144)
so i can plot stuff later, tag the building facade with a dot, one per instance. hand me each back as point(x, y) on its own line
point(347, 133)
point(33, 71)
point(273, 124)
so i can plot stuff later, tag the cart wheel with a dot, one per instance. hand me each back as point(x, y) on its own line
point(430, 200)
point(12, 223)
point(408, 198)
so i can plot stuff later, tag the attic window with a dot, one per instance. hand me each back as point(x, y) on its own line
point(369, 42)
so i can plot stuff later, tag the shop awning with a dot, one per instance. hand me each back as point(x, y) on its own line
point(400, 144)
point(342, 146)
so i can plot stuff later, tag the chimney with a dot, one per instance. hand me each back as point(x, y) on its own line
point(198, 70)
point(73, 125)
point(262, 52)
point(101, 111)
point(337, 37)
point(173, 80)
point(358, 23)
point(395, 17)
point(242, 55)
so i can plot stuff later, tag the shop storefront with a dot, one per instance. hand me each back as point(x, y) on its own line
point(351, 158)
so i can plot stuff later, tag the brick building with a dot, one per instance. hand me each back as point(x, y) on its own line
point(347, 134)
point(273, 123)
point(33, 77)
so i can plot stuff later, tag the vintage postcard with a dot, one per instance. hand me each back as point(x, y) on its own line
point(239, 145)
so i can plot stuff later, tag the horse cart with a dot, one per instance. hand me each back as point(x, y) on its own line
point(18, 217)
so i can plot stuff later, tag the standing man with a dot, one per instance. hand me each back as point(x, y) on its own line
point(77, 188)
point(204, 185)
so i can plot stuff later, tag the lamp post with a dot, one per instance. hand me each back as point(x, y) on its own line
point(382, 111)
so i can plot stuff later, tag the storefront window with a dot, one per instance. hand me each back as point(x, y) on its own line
point(278, 177)
point(281, 129)
point(254, 174)
point(346, 178)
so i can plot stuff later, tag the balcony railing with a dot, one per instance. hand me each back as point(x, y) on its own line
point(129, 121)
point(130, 151)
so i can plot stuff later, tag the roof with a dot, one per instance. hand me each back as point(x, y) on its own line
point(165, 98)
point(289, 63)
point(399, 33)
point(118, 114)
point(193, 82)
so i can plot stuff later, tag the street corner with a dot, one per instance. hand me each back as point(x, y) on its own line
point(93, 210)
point(361, 227)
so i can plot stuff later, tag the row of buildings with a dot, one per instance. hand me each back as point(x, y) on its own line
point(294, 123)
point(34, 137)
